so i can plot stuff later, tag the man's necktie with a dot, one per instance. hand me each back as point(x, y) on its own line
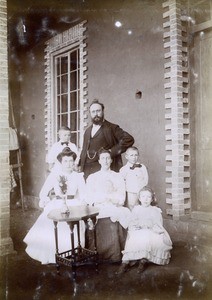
point(136, 166)
point(64, 143)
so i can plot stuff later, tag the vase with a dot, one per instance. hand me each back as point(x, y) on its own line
point(64, 209)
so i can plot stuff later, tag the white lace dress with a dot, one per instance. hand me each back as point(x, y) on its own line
point(147, 238)
point(40, 239)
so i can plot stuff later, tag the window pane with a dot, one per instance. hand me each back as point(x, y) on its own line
point(73, 97)
point(58, 121)
point(64, 65)
point(73, 61)
point(64, 120)
point(78, 99)
point(64, 103)
point(78, 119)
point(58, 65)
point(58, 104)
point(64, 82)
point(67, 92)
point(58, 85)
point(73, 121)
point(73, 81)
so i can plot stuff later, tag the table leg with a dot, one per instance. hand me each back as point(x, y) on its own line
point(71, 226)
point(56, 245)
point(78, 234)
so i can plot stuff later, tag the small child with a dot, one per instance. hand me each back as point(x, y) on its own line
point(64, 134)
point(147, 239)
point(135, 176)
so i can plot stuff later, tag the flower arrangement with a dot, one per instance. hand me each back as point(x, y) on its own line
point(64, 187)
point(63, 184)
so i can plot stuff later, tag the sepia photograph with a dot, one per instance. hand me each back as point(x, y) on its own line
point(106, 149)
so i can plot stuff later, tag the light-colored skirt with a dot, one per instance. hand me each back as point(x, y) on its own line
point(40, 239)
point(145, 243)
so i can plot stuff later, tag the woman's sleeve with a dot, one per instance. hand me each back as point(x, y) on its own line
point(90, 190)
point(81, 186)
point(46, 188)
point(118, 195)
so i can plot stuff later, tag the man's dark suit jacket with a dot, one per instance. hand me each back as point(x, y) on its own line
point(117, 139)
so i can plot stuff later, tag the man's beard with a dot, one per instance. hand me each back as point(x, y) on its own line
point(98, 120)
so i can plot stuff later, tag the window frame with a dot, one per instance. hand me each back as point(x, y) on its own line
point(61, 43)
point(59, 54)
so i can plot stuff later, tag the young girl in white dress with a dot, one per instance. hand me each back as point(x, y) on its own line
point(147, 239)
point(40, 239)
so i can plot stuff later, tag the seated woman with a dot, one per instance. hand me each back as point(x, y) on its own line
point(40, 239)
point(105, 189)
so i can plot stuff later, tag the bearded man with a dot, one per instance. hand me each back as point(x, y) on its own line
point(102, 134)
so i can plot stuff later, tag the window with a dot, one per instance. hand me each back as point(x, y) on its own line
point(67, 92)
point(66, 84)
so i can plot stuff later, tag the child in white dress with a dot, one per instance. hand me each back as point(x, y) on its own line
point(64, 134)
point(135, 176)
point(147, 239)
point(40, 239)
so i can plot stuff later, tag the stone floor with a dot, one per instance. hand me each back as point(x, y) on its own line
point(188, 276)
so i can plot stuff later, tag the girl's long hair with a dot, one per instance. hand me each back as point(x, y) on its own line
point(149, 189)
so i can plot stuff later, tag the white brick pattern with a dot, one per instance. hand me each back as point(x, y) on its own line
point(176, 114)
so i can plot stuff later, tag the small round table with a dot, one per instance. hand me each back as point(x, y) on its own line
point(76, 256)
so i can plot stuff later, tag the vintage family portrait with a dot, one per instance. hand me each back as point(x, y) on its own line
point(105, 149)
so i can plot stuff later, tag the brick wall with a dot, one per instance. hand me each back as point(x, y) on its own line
point(176, 106)
point(6, 245)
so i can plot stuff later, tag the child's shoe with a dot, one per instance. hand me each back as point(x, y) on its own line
point(132, 263)
point(142, 265)
point(122, 269)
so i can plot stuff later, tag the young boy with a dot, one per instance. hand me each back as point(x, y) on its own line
point(135, 176)
point(64, 134)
